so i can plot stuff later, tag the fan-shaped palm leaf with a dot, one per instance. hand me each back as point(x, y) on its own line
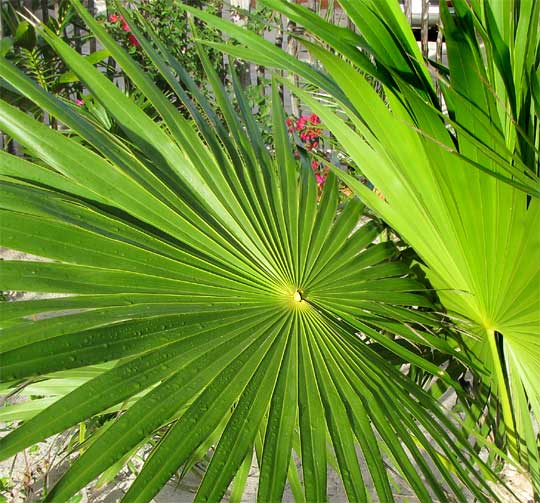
point(461, 188)
point(232, 303)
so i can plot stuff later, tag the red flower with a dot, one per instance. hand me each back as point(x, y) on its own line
point(79, 102)
point(314, 144)
point(314, 119)
point(133, 40)
point(125, 26)
point(314, 164)
point(289, 123)
point(320, 179)
point(113, 18)
point(301, 123)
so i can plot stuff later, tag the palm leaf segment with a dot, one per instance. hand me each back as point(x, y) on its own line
point(226, 297)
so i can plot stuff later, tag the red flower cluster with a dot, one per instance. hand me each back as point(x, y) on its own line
point(320, 176)
point(133, 40)
point(118, 18)
point(305, 126)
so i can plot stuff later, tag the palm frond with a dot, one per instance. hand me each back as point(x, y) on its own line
point(461, 188)
point(227, 302)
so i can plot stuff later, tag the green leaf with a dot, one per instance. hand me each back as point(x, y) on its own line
point(94, 58)
point(25, 35)
point(459, 187)
point(215, 298)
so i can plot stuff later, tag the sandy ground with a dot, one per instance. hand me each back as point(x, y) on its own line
point(23, 477)
point(28, 471)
